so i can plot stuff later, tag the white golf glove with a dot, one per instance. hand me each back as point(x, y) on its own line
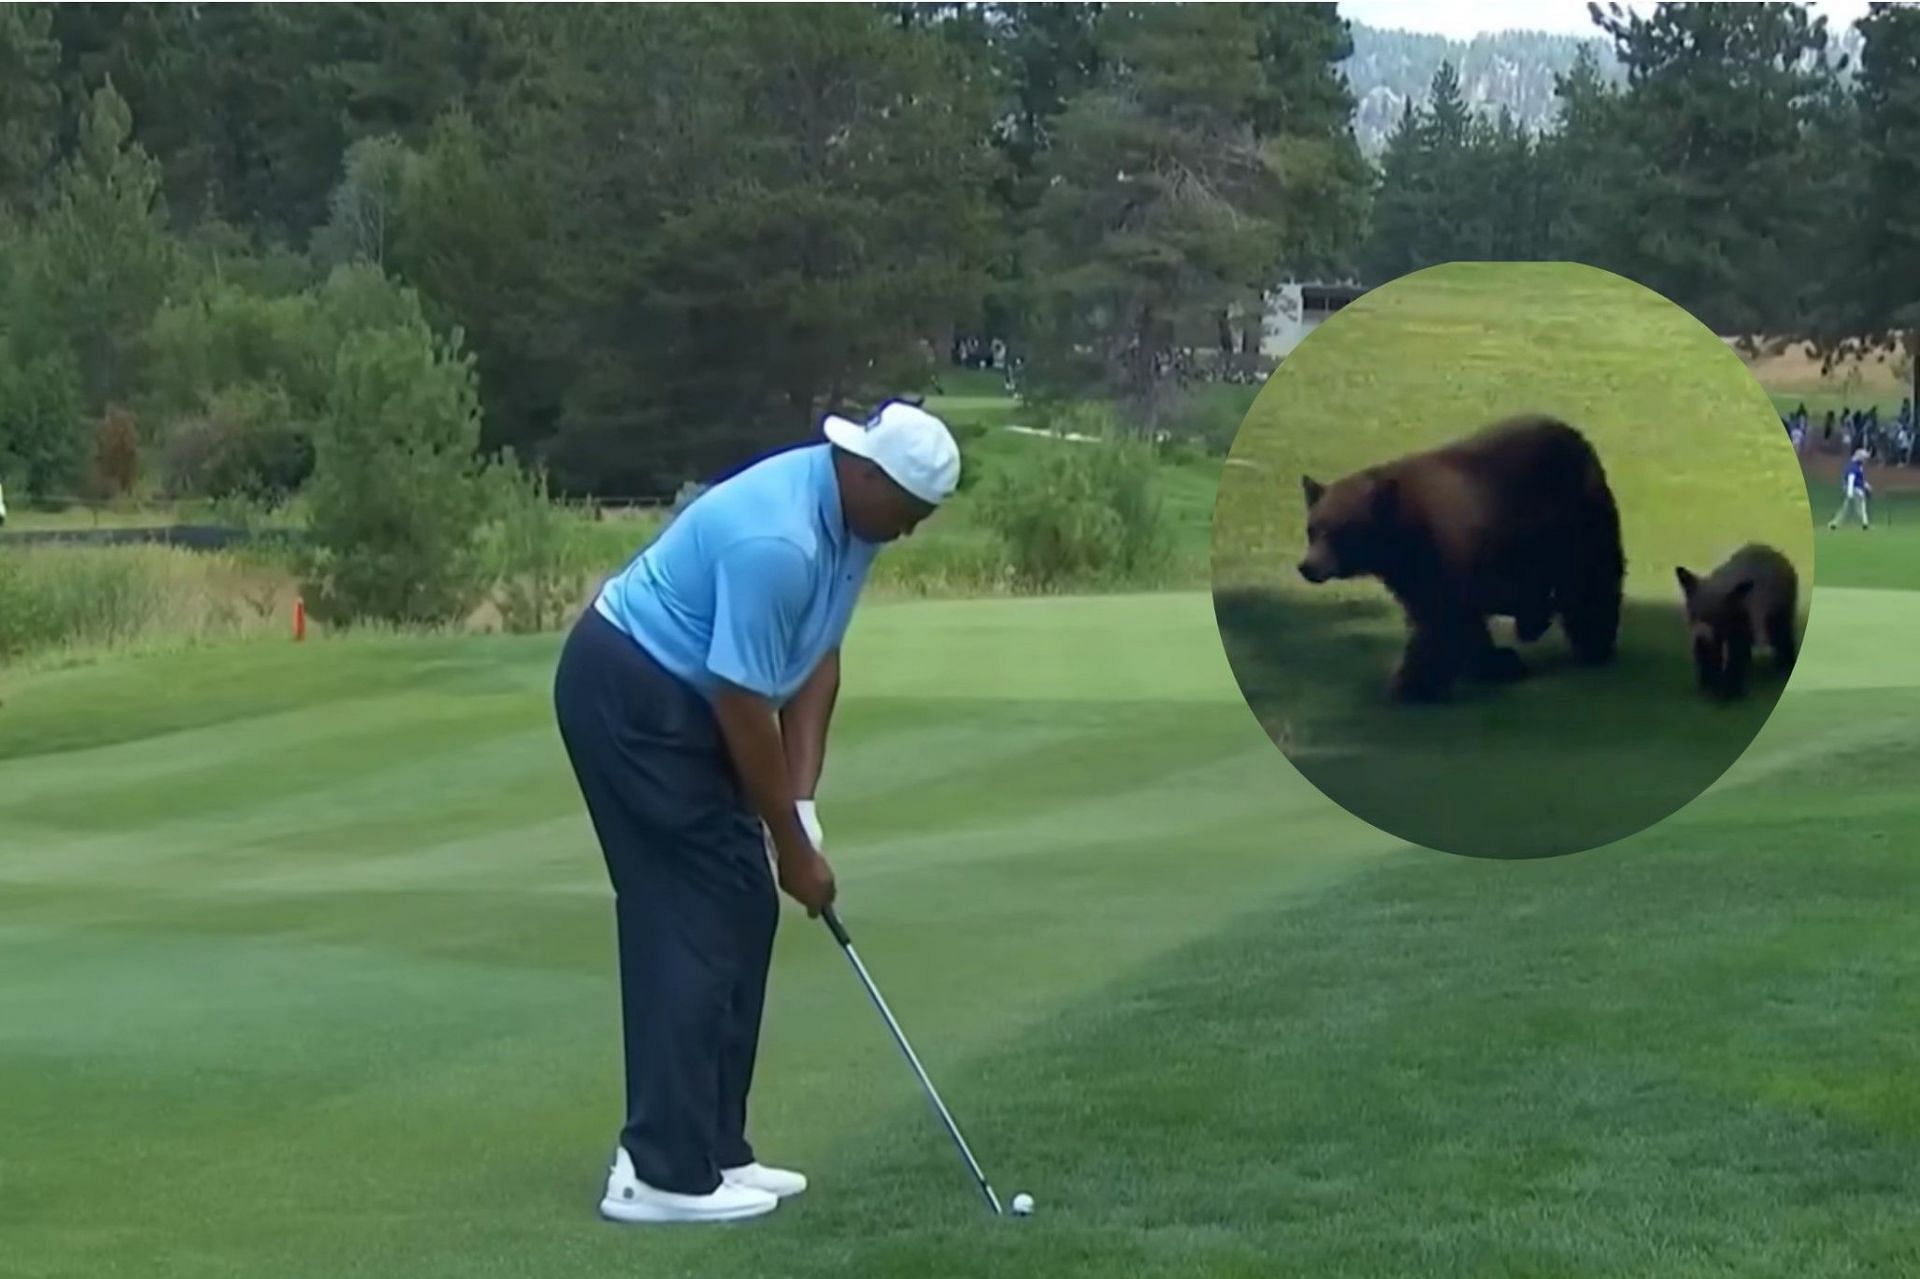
point(811, 822)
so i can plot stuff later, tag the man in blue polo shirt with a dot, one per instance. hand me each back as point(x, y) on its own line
point(693, 698)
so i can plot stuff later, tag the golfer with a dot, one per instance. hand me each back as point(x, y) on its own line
point(1857, 492)
point(693, 699)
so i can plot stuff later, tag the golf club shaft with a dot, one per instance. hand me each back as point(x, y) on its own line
point(899, 1037)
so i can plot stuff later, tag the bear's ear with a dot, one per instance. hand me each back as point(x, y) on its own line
point(1313, 489)
point(1688, 582)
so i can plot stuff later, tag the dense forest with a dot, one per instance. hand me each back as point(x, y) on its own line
point(253, 248)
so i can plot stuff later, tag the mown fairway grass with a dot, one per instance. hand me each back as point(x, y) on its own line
point(1573, 757)
point(308, 972)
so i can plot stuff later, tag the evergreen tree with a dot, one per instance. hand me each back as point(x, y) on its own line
point(1167, 197)
point(1873, 299)
point(1729, 188)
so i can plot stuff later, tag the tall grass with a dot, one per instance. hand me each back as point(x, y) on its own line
point(55, 598)
point(1081, 514)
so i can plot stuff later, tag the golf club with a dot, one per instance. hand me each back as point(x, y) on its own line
point(899, 1037)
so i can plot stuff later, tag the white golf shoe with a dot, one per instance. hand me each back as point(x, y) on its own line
point(775, 1181)
point(630, 1199)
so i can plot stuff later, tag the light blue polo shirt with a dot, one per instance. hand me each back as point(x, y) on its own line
point(752, 584)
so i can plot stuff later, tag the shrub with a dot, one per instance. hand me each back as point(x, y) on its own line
point(224, 336)
point(1211, 415)
point(1080, 513)
point(538, 563)
point(116, 455)
point(968, 435)
point(240, 380)
point(42, 432)
point(258, 445)
point(398, 502)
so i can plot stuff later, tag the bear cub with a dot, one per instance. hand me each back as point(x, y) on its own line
point(1752, 598)
point(1513, 521)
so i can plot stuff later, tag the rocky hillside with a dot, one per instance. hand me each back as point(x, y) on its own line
point(1514, 69)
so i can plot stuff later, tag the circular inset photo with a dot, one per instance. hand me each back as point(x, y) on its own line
point(1512, 559)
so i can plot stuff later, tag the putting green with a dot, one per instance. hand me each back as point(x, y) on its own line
point(1571, 758)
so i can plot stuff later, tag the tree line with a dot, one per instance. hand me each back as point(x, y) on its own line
point(631, 243)
point(657, 236)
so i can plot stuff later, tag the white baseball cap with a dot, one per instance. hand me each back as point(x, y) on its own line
point(911, 445)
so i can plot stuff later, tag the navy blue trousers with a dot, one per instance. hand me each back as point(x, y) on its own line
point(694, 901)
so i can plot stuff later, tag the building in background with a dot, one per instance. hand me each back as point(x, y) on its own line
point(1296, 308)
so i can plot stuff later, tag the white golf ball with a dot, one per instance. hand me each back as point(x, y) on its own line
point(1022, 1204)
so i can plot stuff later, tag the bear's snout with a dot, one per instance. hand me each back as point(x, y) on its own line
point(1312, 571)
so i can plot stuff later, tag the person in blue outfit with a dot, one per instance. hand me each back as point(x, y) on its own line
point(693, 699)
point(1856, 492)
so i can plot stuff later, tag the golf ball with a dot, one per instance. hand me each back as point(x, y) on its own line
point(1022, 1204)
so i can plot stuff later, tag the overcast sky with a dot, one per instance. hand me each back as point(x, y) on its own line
point(1464, 19)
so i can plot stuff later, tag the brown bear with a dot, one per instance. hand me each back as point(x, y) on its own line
point(1755, 594)
point(1514, 521)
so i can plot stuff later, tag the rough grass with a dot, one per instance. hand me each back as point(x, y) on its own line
point(108, 598)
point(1697, 463)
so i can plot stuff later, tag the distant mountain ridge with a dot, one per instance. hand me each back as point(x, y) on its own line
point(1512, 69)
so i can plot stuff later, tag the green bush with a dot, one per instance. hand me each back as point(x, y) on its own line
point(968, 436)
point(249, 443)
point(1210, 416)
point(1179, 452)
point(223, 336)
point(538, 562)
point(398, 502)
point(42, 443)
point(1081, 514)
point(240, 379)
